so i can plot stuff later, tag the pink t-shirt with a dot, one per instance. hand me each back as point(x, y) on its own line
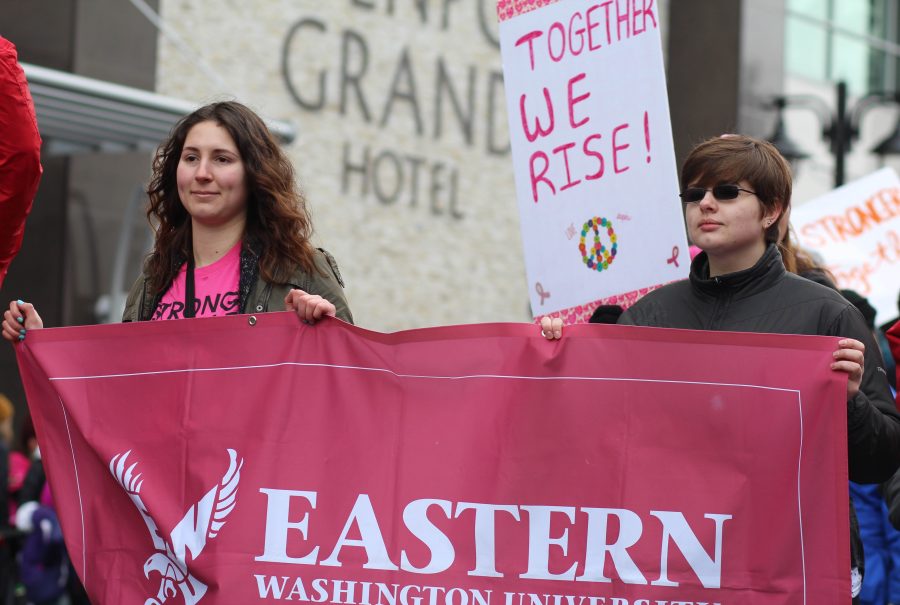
point(215, 289)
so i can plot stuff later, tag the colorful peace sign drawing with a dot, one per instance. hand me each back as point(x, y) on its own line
point(597, 256)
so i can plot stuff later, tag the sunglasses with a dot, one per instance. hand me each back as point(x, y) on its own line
point(720, 192)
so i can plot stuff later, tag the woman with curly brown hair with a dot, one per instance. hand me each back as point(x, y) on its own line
point(232, 231)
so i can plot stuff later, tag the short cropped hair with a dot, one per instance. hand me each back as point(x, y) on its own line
point(733, 158)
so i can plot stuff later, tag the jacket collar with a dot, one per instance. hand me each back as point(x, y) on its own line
point(767, 271)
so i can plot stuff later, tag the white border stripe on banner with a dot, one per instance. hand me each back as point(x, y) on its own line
point(421, 376)
point(78, 487)
point(799, 505)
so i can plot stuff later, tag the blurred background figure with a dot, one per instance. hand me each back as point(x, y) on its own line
point(13, 468)
point(893, 337)
point(6, 555)
point(44, 567)
point(881, 541)
point(45, 573)
point(17, 459)
point(890, 349)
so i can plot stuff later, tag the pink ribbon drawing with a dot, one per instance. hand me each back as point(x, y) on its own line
point(674, 259)
point(541, 292)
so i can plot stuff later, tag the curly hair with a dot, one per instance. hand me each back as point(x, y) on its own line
point(278, 225)
point(733, 158)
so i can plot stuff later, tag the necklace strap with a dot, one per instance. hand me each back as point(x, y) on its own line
point(189, 289)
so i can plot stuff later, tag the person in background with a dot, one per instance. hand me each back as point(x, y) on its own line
point(881, 541)
point(233, 233)
point(891, 355)
point(7, 413)
point(6, 533)
point(893, 338)
point(45, 569)
point(20, 155)
point(891, 488)
point(735, 190)
point(18, 462)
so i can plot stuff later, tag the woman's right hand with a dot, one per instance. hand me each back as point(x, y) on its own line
point(18, 319)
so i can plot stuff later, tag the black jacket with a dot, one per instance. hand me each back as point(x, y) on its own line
point(766, 298)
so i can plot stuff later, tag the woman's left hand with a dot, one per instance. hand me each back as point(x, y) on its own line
point(309, 307)
point(850, 358)
point(551, 328)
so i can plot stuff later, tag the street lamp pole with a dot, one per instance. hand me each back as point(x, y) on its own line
point(840, 127)
point(842, 131)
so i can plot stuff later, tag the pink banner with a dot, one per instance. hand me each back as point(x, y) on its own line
point(248, 460)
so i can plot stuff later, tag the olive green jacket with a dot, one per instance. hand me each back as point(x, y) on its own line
point(257, 295)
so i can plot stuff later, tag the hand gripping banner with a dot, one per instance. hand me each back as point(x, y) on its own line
point(232, 461)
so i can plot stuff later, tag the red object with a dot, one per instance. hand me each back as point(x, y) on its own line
point(893, 336)
point(20, 155)
point(18, 468)
point(472, 464)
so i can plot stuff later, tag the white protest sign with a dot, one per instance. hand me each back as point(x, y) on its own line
point(856, 230)
point(592, 149)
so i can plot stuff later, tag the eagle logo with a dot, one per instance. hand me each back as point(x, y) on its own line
point(202, 522)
